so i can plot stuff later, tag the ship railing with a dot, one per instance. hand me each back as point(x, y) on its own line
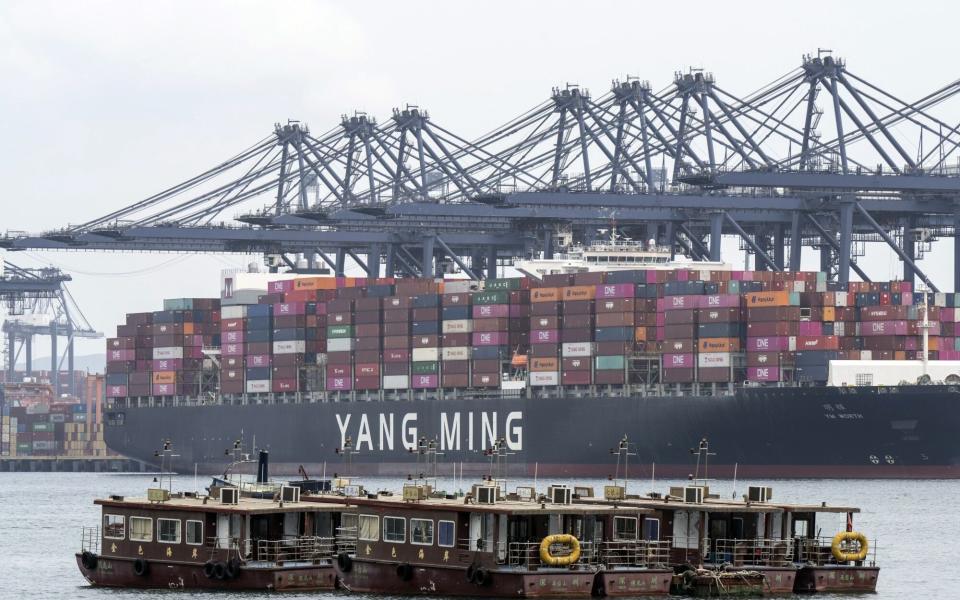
point(758, 552)
point(527, 554)
point(346, 539)
point(817, 551)
point(312, 549)
point(90, 539)
point(635, 553)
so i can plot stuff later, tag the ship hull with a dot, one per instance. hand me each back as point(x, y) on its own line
point(907, 432)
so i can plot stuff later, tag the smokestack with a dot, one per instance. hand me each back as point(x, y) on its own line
point(263, 467)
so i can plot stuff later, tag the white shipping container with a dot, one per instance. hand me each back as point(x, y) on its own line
point(238, 311)
point(457, 326)
point(544, 378)
point(792, 343)
point(258, 386)
point(425, 354)
point(866, 355)
point(708, 360)
point(290, 347)
point(840, 299)
point(339, 344)
point(456, 353)
point(839, 328)
point(571, 349)
point(168, 352)
point(396, 382)
point(461, 286)
point(887, 372)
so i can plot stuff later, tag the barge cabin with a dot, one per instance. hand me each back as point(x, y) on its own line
point(489, 543)
point(228, 542)
point(753, 544)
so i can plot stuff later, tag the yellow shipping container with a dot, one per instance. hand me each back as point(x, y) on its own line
point(829, 313)
point(579, 292)
point(544, 295)
point(756, 299)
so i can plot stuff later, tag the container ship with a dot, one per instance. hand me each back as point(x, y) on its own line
point(788, 374)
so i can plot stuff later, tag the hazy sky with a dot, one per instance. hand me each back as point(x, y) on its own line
point(104, 103)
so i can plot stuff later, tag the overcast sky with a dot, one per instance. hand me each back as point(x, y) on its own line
point(104, 103)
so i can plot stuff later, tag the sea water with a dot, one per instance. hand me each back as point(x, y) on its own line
point(916, 525)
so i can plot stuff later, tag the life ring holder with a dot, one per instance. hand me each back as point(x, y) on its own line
point(847, 536)
point(547, 557)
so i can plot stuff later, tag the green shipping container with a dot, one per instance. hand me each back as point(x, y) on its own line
point(24, 448)
point(178, 304)
point(495, 297)
point(43, 427)
point(339, 331)
point(427, 367)
point(610, 363)
point(512, 283)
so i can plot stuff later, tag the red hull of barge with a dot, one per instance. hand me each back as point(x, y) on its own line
point(633, 583)
point(837, 578)
point(119, 572)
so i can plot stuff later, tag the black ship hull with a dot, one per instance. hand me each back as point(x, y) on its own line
point(907, 432)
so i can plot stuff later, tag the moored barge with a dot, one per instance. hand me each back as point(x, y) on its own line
point(229, 542)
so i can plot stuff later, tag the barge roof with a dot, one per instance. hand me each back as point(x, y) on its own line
point(512, 507)
point(208, 504)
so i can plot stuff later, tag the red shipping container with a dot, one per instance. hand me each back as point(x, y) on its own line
point(285, 385)
point(396, 355)
point(544, 322)
point(452, 340)
point(615, 305)
point(678, 347)
point(362, 370)
point(485, 379)
point(819, 342)
point(576, 321)
point(366, 383)
point(713, 375)
point(455, 380)
point(492, 324)
point(456, 366)
point(575, 377)
point(678, 375)
point(338, 371)
point(576, 364)
point(545, 309)
point(486, 366)
point(609, 377)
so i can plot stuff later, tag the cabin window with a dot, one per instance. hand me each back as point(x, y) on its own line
point(624, 528)
point(114, 527)
point(651, 529)
point(421, 532)
point(394, 529)
point(369, 528)
point(447, 534)
point(141, 529)
point(348, 525)
point(168, 531)
point(195, 533)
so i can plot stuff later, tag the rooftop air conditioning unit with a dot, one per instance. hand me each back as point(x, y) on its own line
point(693, 494)
point(560, 494)
point(158, 495)
point(756, 493)
point(614, 492)
point(229, 495)
point(583, 492)
point(414, 493)
point(289, 493)
point(485, 494)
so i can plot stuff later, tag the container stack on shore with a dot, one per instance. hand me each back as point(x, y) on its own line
point(34, 422)
point(680, 327)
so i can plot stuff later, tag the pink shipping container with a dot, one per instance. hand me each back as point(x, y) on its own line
point(770, 344)
point(544, 336)
point(231, 349)
point(258, 360)
point(232, 337)
point(289, 308)
point(950, 355)
point(677, 361)
point(280, 287)
point(339, 383)
point(486, 311)
point(424, 381)
point(810, 328)
point(763, 373)
point(166, 364)
point(164, 389)
point(491, 338)
point(121, 355)
point(116, 391)
point(719, 301)
point(678, 303)
point(615, 290)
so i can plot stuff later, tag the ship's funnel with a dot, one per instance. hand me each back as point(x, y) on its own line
point(263, 466)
